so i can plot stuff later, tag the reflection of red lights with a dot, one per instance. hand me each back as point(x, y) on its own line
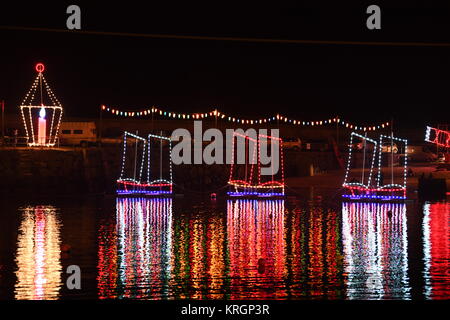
point(256, 247)
point(437, 250)
point(107, 261)
point(40, 67)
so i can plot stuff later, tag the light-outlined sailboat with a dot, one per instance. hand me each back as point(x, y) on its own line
point(377, 173)
point(146, 166)
point(246, 179)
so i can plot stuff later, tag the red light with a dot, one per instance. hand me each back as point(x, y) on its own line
point(40, 67)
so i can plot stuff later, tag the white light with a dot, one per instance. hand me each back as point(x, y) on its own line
point(42, 113)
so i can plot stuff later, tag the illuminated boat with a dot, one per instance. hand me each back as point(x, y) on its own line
point(246, 179)
point(141, 156)
point(241, 188)
point(438, 137)
point(359, 183)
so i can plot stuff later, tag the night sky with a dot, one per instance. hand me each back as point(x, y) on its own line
point(364, 84)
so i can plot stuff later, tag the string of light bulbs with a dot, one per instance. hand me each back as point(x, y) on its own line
point(222, 116)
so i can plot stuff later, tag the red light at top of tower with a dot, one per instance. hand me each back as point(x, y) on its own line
point(40, 67)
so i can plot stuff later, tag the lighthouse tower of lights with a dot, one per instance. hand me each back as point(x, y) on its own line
point(41, 121)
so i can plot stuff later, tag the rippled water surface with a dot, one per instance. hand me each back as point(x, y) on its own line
point(229, 249)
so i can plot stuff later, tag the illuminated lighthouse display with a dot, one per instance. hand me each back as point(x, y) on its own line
point(41, 112)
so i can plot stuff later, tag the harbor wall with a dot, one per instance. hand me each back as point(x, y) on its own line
point(95, 170)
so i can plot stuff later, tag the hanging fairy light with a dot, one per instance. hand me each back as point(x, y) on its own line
point(220, 115)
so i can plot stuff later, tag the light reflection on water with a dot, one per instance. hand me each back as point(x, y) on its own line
point(241, 249)
point(375, 246)
point(199, 259)
point(134, 257)
point(436, 248)
point(38, 254)
point(313, 253)
point(255, 234)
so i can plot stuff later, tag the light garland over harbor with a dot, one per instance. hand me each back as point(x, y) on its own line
point(222, 116)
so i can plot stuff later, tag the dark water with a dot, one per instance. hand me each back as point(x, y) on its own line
point(236, 249)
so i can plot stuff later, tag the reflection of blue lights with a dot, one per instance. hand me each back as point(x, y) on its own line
point(372, 196)
point(143, 192)
point(258, 194)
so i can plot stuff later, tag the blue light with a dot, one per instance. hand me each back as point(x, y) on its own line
point(258, 194)
point(381, 197)
point(143, 192)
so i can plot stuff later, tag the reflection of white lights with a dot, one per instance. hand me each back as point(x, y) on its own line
point(38, 255)
point(145, 240)
point(426, 249)
point(375, 248)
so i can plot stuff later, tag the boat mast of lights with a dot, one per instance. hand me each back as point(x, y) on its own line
point(392, 186)
point(357, 184)
point(122, 170)
point(160, 180)
point(41, 122)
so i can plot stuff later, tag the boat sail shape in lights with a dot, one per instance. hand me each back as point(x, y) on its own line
point(40, 119)
point(246, 179)
point(146, 166)
point(360, 182)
